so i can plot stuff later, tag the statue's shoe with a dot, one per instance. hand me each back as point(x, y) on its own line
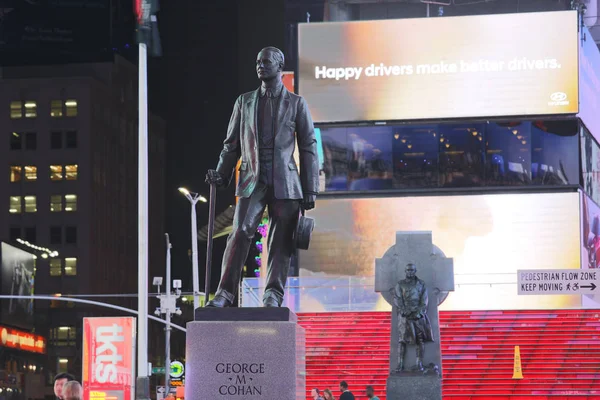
point(219, 302)
point(271, 302)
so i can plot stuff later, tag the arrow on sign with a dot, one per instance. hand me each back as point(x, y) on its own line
point(591, 286)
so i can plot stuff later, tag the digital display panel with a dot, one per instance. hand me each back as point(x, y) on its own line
point(488, 236)
point(430, 68)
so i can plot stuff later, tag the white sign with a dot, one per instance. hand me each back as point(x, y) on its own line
point(558, 281)
point(160, 392)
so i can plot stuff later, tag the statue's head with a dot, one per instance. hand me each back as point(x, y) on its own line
point(411, 270)
point(269, 63)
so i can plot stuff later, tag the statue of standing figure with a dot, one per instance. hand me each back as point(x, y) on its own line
point(414, 327)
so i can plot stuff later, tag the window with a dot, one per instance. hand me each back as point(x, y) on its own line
point(16, 109)
point(71, 266)
point(31, 234)
point(55, 235)
point(14, 233)
point(71, 139)
point(55, 267)
point(56, 140)
point(63, 336)
point(30, 109)
point(71, 172)
point(16, 141)
point(56, 109)
point(56, 203)
point(71, 108)
point(71, 235)
point(15, 173)
point(56, 172)
point(15, 205)
point(30, 204)
point(30, 141)
point(70, 202)
point(30, 173)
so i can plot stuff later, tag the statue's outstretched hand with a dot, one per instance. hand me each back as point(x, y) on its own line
point(213, 177)
point(308, 201)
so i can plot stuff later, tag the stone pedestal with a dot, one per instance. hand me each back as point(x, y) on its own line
point(245, 353)
point(414, 387)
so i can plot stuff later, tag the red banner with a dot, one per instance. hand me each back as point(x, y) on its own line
point(108, 358)
point(16, 339)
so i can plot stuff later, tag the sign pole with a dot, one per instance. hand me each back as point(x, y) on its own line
point(168, 319)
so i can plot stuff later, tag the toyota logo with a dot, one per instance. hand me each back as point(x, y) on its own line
point(558, 96)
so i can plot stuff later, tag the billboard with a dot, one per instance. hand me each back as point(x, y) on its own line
point(25, 341)
point(489, 236)
point(59, 26)
point(108, 358)
point(18, 268)
point(589, 83)
point(430, 68)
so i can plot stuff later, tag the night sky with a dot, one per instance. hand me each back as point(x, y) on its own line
point(209, 49)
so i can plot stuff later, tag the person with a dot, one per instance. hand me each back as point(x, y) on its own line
point(263, 130)
point(328, 395)
point(59, 382)
point(316, 395)
point(346, 394)
point(371, 393)
point(72, 390)
point(414, 327)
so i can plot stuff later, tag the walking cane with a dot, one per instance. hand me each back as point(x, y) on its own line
point(209, 240)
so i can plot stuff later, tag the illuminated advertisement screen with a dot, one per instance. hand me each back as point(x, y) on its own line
point(429, 68)
point(18, 271)
point(489, 237)
point(108, 358)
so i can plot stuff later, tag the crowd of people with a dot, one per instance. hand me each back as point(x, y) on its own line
point(67, 388)
point(327, 394)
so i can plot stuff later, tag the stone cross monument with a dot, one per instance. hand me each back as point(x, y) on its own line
point(415, 250)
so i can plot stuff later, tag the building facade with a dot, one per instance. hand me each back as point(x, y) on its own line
point(70, 156)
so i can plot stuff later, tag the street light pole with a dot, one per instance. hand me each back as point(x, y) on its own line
point(168, 306)
point(193, 199)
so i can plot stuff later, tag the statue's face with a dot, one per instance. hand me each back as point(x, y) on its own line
point(267, 66)
point(411, 271)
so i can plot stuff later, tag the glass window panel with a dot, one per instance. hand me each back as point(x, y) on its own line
point(335, 165)
point(71, 107)
point(14, 233)
point(30, 204)
point(71, 266)
point(15, 173)
point(415, 152)
point(15, 205)
point(370, 156)
point(31, 234)
point(16, 109)
point(56, 108)
point(56, 139)
point(30, 173)
point(55, 235)
point(71, 172)
point(55, 267)
point(30, 141)
point(30, 109)
point(56, 203)
point(461, 155)
point(554, 158)
point(70, 202)
point(508, 154)
point(56, 172)
point(71, 139)
point(71, 235)
point(16, 141)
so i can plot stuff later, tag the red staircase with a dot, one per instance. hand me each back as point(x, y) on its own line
point(560, 353)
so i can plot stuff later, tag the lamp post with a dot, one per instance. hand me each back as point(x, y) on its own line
point(193, 198)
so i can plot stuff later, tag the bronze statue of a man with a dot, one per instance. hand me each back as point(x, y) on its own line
point(410, 299)
point(263, 130)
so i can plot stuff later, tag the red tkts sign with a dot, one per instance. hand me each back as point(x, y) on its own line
point(108, 358)
point(16, 339)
